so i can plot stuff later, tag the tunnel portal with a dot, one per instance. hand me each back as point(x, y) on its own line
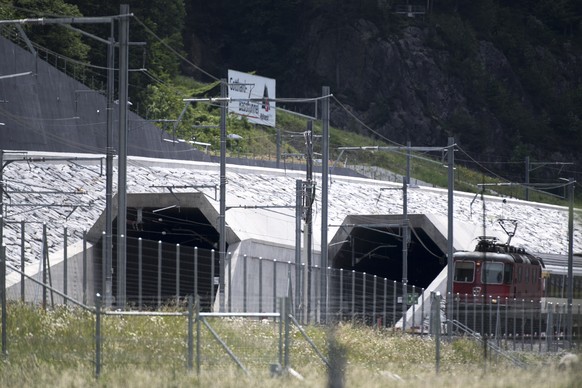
point(373, 244)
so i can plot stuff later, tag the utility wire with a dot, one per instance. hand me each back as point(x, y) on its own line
point(149, 31)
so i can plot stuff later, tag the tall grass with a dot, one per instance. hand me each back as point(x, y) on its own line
point(56, 348)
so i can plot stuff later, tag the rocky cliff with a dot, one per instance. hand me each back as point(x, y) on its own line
point(415, 86)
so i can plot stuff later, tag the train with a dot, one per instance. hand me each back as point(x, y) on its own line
point(500, 287)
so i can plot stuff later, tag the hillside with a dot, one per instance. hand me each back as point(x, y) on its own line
point(501, 77)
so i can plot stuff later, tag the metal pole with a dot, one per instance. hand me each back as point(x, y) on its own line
point(122, 163)
point(139, 272)
point(190, 334)
point(287, 332)
point(196, 272)
point(404, 252)
point(570, 290)
point(229, 260)
point(212, 276)
point(450, 248)
point(108, 242)
point(3, 291)
point(97, 335)
point(177, 274)
point(44, 265)
point(309, 199)
point(65, 265)
point(260, 284)
point(275, 285)
point(2, 165)
point(324, 191)
point(298, 213)
point(104, 267)
point(22, 259)
point(159, 273)
point(244, 283)
point(222, 216)
point(198, 338)
point(84, 267)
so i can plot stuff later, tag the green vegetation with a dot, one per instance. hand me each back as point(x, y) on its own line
point(537, 114)
point(56, 348)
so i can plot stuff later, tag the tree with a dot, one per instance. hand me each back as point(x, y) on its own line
point(53, 37)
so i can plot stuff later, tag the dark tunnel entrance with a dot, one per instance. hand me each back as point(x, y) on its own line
point(373, 244)
point(179, 254)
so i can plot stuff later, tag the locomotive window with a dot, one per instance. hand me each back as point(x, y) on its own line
point(507, 274)
point(492, 273)
point(464, 271)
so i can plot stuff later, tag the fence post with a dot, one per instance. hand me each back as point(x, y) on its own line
point(44, 266)
point(374, 321)
point(353, 297)
point(281, 313)
point(505, 334)
point(413, 308)
point(326, 296)
point(341, 295)
point(275, 286)
point(435, 326)
point(531, 326)
point(177, 274)
point(190, 333)
point(212, 280)
point(304, 313)
point(514, 322)
point(394, 297)
point(159, 273)
point(541, 326)
point(287, 329)
point(65, 265)
point(229, 261)
point(97, 335)
point(245, 283)
point(22, 261)
point(363, 297)
point(196, 273)
point(422, 312)
point(549, 326)
point(384, 305)
point(260, 284)
point(198, 339)
point(289, 293)
point(139, 273)
point(3, 291)
point(84, 281)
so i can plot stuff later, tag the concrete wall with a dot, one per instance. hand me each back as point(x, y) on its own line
point(77, 288)
point(261, 273)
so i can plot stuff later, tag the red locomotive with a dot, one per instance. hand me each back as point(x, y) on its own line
point(497, 270)
point(499, 287)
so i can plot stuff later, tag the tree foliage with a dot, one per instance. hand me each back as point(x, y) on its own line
point(54, 37)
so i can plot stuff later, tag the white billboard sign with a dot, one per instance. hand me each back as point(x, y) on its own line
point(252, 96)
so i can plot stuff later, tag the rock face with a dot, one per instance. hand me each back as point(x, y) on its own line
point(400, 84)
point(412, 86)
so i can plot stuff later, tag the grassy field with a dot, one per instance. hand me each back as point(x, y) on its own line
point(56, 348)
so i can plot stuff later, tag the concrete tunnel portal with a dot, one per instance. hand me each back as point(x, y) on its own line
point(373, 244)
point(173, 236)
point(364, 243)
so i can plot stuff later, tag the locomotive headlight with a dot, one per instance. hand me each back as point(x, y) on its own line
point(494, 301)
